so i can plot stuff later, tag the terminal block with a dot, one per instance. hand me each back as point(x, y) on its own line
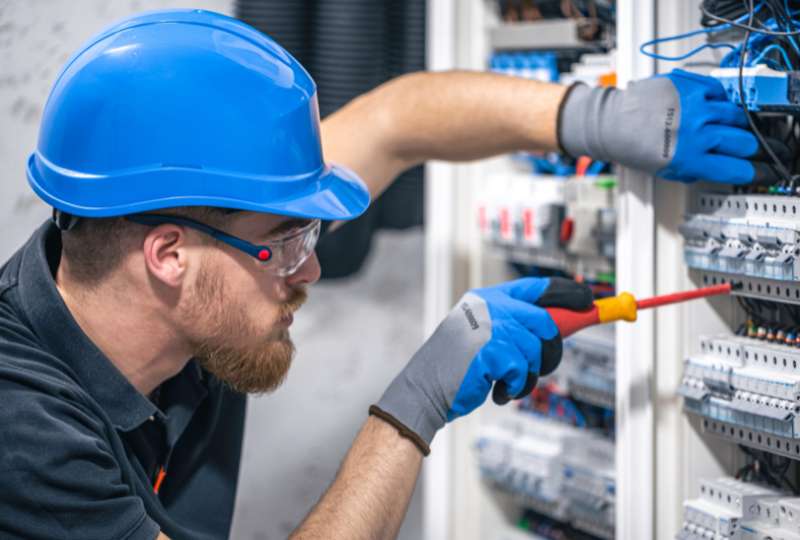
point(747, 391)
point(590, 225)
point(519, 209)
point(590, 485)
point(555, 469)
point(753, 239)
point(765, 89)
point(731, 509)
point(522, 456)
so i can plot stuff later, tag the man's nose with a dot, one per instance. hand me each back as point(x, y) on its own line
point(308, 272)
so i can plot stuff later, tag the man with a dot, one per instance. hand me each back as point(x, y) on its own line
point(183, 156)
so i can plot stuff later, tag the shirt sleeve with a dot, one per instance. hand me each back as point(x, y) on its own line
point(58, 474)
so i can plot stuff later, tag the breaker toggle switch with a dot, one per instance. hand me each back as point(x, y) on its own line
point(769, 241)
point(692, 233)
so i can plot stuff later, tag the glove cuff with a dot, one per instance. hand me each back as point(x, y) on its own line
point(560, 116)
point(374, 410)
point(410, 406)
point(584, 128)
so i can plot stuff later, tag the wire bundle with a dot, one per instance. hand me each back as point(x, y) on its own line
point(768, 467)
point(775, 322)
point(779, 26)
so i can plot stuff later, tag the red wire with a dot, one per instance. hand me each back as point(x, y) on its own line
point(682, 296)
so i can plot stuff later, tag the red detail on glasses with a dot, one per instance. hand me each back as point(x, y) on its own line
point(264, 255)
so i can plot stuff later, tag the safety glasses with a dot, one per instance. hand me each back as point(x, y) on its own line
point(281, 257)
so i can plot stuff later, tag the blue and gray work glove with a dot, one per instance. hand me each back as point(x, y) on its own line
point(495, 335)
point(679, 126)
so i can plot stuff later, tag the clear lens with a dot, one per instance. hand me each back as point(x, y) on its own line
point(289, 253)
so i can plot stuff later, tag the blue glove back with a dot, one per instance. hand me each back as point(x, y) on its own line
point(713, 139)
point(518, 327)
point(679, 126)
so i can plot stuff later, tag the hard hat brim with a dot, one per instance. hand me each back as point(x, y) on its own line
point(333, 192)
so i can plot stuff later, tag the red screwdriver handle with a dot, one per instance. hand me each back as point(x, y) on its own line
point(569, 321)
point(604, 310)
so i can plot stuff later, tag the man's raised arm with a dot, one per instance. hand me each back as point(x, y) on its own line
point(678, 126)
point(450, 116)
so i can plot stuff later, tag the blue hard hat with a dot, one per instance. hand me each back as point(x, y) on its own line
point(186, 108)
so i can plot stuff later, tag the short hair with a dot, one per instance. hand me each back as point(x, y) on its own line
point(95, 247)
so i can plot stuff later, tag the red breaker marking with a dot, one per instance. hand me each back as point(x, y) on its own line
point(483, 223)
point(505, 223)
point(528, 228)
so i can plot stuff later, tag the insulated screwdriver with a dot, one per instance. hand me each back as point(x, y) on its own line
point(618, 308)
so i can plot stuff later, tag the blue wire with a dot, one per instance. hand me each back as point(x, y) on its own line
point(773, 64)
point(690, 34)
point(683, 36)
point(753, 45)
point(791, 15)
point(687, 55)
point(772, 48)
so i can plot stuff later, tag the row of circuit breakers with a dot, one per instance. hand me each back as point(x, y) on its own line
point(730, 509)
point(563, 472)
point(746, 391)
point(749, 238)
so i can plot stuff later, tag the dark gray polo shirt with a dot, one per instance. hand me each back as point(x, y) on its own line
point(80, 447)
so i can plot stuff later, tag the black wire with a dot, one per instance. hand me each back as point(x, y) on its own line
point(731, 9)
point(779, 14)
point(776, 469)
point(789, 133)
point(754, 305)
point(750, 120)
point(746, 26)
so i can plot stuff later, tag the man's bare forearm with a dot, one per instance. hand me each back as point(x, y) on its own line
point(372, 491)
point(451, 116)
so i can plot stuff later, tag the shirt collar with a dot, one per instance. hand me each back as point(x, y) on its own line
point(62, 336)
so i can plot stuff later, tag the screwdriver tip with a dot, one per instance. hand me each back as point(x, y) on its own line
point(737, 285)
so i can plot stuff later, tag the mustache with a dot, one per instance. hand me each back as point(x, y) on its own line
point(294, 302)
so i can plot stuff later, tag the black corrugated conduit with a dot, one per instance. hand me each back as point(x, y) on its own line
point(350, 47)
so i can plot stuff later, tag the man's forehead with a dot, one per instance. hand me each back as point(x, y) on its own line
point(265, 224)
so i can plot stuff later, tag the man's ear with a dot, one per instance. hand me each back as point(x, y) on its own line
point(165, 253)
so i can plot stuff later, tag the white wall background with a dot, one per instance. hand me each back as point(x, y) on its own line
point(353, 336)
point(36, 38)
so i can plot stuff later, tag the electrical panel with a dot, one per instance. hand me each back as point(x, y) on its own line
point(742, 387)
point(722, 396)
point(589, 366)
point(546, 215)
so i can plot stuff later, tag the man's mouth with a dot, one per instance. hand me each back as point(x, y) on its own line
point(287, 321)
